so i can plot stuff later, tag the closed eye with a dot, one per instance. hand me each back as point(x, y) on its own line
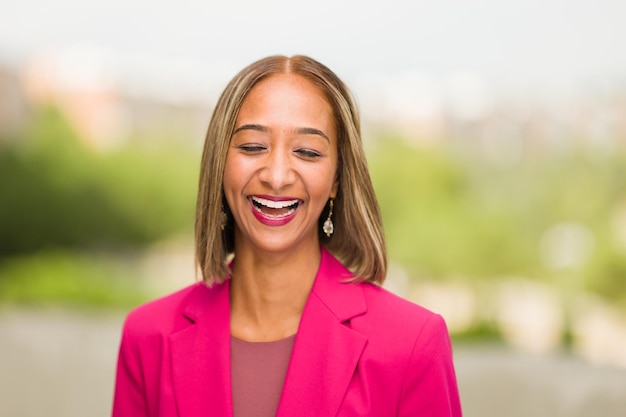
point(308, 153)
point(251, 148)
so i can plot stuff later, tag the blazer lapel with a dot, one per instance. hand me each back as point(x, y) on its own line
point(326, 350)
point(200, 355)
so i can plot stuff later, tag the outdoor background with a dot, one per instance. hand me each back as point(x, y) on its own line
point(496, 138)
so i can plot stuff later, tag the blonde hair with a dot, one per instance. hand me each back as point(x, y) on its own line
point(358, 240)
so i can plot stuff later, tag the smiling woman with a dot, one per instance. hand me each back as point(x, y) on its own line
point(296, 323)
point(281, 169)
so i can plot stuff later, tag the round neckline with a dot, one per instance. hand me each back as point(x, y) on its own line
point(265, 343)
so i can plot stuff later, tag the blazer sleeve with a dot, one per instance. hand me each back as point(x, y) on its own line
point(130, 394)
point(430, 387)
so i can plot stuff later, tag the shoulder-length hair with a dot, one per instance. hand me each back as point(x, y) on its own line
point(358, 239)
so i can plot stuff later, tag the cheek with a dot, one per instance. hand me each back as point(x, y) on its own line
point(324, 181)
point(232, 176)
point(238, 166)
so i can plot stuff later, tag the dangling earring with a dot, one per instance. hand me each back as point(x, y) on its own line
point(329, 227)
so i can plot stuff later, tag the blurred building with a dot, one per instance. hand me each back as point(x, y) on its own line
point(14, 106)
point(467, 113)
point(109, 105)
point(103, 110)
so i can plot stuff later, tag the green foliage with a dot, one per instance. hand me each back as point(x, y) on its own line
point(435, 221)
point(449, 217)
point(69, 278)
point(56, 193)
point(606, 275)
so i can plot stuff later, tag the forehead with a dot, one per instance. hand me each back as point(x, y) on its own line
point(289, 90)
point(287, 102)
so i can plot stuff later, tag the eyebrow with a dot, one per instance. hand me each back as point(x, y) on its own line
point(298, 131)
point(311, 131)
point(257, 128)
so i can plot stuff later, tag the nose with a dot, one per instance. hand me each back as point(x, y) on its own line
point(278, 170)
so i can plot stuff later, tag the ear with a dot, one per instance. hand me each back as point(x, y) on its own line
point(335, 187)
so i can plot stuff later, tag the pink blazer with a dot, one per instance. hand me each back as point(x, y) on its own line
point(359, 351)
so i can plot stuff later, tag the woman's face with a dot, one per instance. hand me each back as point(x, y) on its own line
point(281, 166)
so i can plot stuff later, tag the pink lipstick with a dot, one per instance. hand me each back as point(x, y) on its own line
point(274, 211)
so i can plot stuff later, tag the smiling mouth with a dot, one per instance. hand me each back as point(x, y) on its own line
point(274, 209)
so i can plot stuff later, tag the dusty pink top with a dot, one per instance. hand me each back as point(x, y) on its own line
point(258, 375)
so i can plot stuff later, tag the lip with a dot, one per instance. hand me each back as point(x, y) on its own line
point(271, 220)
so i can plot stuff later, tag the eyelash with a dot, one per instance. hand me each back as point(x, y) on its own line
point(251, 148)
point(307, 153)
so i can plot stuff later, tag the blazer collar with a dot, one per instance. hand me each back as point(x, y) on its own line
point(326, 350)
point(325, 354)
point(200, 354)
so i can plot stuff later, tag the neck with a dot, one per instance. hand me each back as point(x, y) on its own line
point(269, 292)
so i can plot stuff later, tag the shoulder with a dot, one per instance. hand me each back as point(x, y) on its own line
point(395, 311)
point(411, 346)
point(395, 325)
point(162, 314)
point(372, 309)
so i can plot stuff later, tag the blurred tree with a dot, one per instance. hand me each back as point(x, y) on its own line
point(437, 223)
point(450, 216)
point(58, 194)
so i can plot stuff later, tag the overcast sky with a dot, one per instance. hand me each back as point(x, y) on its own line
point(526, 42)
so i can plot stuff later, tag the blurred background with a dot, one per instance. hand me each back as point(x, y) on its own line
point(496, 137)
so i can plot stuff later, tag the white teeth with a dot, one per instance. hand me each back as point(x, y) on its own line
point(274, 204)
point(277, 216)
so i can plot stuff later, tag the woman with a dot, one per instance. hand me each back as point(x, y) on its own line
point(296, 324)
